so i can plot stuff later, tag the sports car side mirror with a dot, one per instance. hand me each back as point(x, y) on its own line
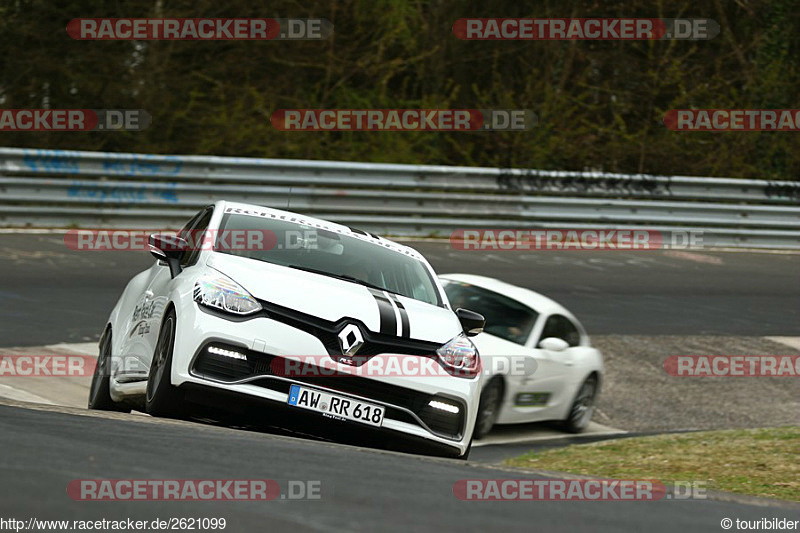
point(553, 344)
point(170, 249)
point(472, 322)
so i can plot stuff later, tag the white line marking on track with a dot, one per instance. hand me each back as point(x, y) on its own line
point(79, 348)
point(7, 391)
point(792, 342)
point(692, 256)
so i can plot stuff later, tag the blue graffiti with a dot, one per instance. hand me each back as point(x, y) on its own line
point(52, 161)
point(142, 165)
point(169, 195)
point(69, 162)
point(134, 193)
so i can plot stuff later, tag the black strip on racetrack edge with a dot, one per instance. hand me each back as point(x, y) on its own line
point(497, 453)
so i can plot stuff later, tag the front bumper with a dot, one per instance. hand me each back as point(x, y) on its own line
point(262, 340)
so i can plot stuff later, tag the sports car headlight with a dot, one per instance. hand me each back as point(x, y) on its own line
point(460, 356)
point(222, 293)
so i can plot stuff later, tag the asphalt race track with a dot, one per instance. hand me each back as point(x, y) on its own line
point(362, 490)
point(52, 294)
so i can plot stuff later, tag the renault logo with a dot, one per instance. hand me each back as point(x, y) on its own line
point(350, 339)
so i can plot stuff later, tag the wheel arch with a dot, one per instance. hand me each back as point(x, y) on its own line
point(598, 378)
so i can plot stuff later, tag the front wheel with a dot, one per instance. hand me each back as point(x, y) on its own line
point(489, 407)
point(99, 391)
point(582, 409)
point(162, 398)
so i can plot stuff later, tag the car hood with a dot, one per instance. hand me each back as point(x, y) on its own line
point(333, 299)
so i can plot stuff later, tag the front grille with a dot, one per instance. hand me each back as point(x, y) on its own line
point(327, 332)
point(227, 369)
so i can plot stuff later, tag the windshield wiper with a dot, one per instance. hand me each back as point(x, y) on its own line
point(367, 284)
point(314, 271)
point(343, 277)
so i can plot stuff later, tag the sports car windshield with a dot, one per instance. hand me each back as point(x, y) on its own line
point(325, 252)
point(505, 318)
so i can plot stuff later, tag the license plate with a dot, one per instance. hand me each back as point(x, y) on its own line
point(335, 406)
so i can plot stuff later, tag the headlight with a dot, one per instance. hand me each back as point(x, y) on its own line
point(460, 356)
point(221, 292)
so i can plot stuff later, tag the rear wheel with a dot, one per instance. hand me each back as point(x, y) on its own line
point(99, 391)
point(489, 407)
point(162, 398)
point(582, 409)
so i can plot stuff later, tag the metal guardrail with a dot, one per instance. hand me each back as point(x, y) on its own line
point(54, 188)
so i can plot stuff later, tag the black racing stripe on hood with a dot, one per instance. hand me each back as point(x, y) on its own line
point(386, 312)
point(404, 323)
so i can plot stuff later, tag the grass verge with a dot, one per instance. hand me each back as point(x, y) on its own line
point(759, 462)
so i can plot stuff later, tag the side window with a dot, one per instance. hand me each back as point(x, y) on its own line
point(561, 327)
point(195, 236)
point(184, 232)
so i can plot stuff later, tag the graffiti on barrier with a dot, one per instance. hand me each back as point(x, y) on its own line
point(67, 162)
point(52, 161)
point(142, 165)
point(778, 189)
point(536, 181)
point(133, 193)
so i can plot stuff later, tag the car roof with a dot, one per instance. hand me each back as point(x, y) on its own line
point(324, 224)
point(532, 299)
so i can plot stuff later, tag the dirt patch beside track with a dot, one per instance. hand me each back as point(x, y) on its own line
point(638, 395)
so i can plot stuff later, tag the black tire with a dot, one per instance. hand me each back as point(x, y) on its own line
point(162, 399)
point(99, 393)
point(582, 408)
point(489, 407)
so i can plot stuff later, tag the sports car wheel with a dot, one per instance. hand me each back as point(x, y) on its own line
point(99, 394)
point(489, 407)
point(582, 407)
point(162, 399)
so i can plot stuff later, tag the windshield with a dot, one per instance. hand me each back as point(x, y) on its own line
point(505, 318)
point(306, 247)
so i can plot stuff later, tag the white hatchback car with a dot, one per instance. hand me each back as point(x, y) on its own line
point(538, 362)
point(212, 325)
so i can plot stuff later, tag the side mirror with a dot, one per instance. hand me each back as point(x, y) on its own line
point(170, 249)
point(472, 322)
point(553, 344)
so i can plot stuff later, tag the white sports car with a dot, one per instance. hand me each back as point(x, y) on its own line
point(538, 362)
point(212, 325)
